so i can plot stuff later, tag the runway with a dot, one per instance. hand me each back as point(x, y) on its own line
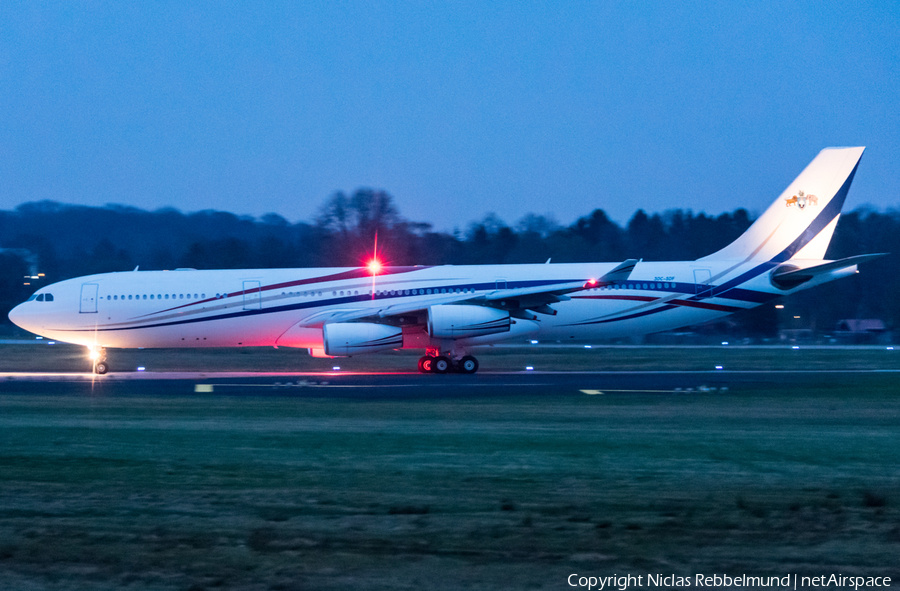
point(415, 385)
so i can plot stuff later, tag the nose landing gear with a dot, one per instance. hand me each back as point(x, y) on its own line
point(98, 356)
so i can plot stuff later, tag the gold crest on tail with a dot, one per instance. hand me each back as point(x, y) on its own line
point(801, 200)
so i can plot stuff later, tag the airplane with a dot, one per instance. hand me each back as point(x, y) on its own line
point(448, 310)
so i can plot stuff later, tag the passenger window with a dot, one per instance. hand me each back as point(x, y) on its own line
point(181, 296)
point(167, 296)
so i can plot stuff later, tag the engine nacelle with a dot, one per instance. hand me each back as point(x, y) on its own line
point(343, 339)
point(453, 321)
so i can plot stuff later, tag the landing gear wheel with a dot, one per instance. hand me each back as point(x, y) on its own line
point(441, 364)
point(468, 364)
point(101, 367)
point(426, 364)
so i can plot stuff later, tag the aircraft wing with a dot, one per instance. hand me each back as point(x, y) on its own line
point(557, 291)
point(518, 300)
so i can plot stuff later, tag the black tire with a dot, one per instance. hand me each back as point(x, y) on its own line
point(426, 364)
point(441, 364)
point(101, 368)
point(468, 364)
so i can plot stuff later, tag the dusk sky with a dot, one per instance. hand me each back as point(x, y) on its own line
point(457, 108)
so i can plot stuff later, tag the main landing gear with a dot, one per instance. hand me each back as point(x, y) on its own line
point(443, 364)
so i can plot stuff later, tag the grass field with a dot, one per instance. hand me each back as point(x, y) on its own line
point(269, 492)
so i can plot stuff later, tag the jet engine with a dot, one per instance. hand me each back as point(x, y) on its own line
point(343, 339)
point(453, 321)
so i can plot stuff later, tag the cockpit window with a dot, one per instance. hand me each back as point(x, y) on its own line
point(33, 296)
point(40, 298)
point(48, 297)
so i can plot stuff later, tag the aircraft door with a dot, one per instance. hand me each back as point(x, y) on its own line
point(88, 298)
point(252, 296)
point(702, 278)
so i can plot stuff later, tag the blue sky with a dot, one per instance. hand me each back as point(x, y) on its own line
point(457, 108)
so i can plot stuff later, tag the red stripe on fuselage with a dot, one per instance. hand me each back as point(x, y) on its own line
point(352, 274)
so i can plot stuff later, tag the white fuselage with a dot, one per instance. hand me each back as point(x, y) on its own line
point(279, 307)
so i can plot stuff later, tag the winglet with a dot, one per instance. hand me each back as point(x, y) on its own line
point(621, 273)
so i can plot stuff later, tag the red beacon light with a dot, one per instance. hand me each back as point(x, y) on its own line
point(590, 283)
point(374, 266)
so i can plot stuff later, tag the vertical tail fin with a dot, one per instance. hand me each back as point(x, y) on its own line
point(802, 220)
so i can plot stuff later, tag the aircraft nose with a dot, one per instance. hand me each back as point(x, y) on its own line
point(18, 316)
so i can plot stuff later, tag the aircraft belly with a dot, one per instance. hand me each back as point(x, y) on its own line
point(610, 320)
point(249, 331)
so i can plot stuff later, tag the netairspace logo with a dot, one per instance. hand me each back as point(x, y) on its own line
point(624, 582)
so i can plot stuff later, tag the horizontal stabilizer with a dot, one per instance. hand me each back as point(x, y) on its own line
point(789, 276)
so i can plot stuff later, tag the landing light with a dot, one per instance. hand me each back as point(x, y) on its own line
point(534, 342)
point(94, 355)
point(141, 368)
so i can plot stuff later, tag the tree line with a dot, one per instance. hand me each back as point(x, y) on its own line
point(65, 241)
